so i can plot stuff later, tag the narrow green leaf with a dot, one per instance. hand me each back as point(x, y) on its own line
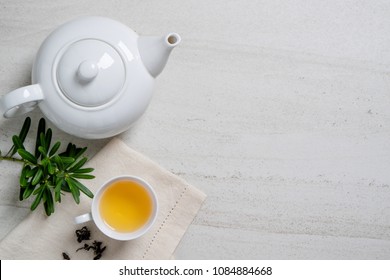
point(57, 190)
point(74, 190)
point(51, 168)
point(48, 204)
point(45, 162)
point(42, 141)
point(83, 176)
point(38, 197)
point(21, 193)
point(82, 187)
point(37, 177)
point(65, 187)
point(18, 144)
point(48, 136)
point(28, 191)
point(23, 176)
point(41, 129)
point(84, 170)
point(26, 170)
point(25, 128)
point(79, 152)
point(42, 151)
point(22, 136)
point(57, 159)
point(23, 180)
point(67, 160)
point(27, 156)
point(69, 150)
point(73, 151)
point(77, 164)
point(37, 190)
point(30, 173)
point(55, 148)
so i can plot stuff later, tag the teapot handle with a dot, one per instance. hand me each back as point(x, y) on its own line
point(21, 100)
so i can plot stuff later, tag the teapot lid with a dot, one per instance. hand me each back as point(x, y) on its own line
point(90, 72)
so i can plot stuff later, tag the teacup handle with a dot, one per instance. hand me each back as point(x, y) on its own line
point(83, 218)
point(21, 100)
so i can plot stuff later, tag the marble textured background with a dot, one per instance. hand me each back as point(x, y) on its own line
point(278, 110)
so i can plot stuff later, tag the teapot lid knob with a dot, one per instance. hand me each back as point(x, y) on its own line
point(87, 70)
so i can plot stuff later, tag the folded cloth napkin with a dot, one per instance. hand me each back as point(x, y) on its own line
point(41, 237)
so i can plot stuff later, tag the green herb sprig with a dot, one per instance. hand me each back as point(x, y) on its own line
point(47, 174)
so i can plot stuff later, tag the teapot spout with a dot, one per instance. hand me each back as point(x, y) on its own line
point(154, 51)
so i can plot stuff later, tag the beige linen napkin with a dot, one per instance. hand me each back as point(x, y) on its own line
point(41, 237)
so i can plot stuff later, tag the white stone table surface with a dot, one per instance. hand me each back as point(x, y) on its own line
point(278, 110)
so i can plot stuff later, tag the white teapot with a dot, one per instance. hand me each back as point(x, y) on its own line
point(92, 77)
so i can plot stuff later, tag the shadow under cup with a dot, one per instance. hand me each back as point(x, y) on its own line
point(125, 207)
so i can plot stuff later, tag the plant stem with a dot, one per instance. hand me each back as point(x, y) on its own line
point(12, 159)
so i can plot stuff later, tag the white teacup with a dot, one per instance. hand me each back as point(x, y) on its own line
point(123, 208)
